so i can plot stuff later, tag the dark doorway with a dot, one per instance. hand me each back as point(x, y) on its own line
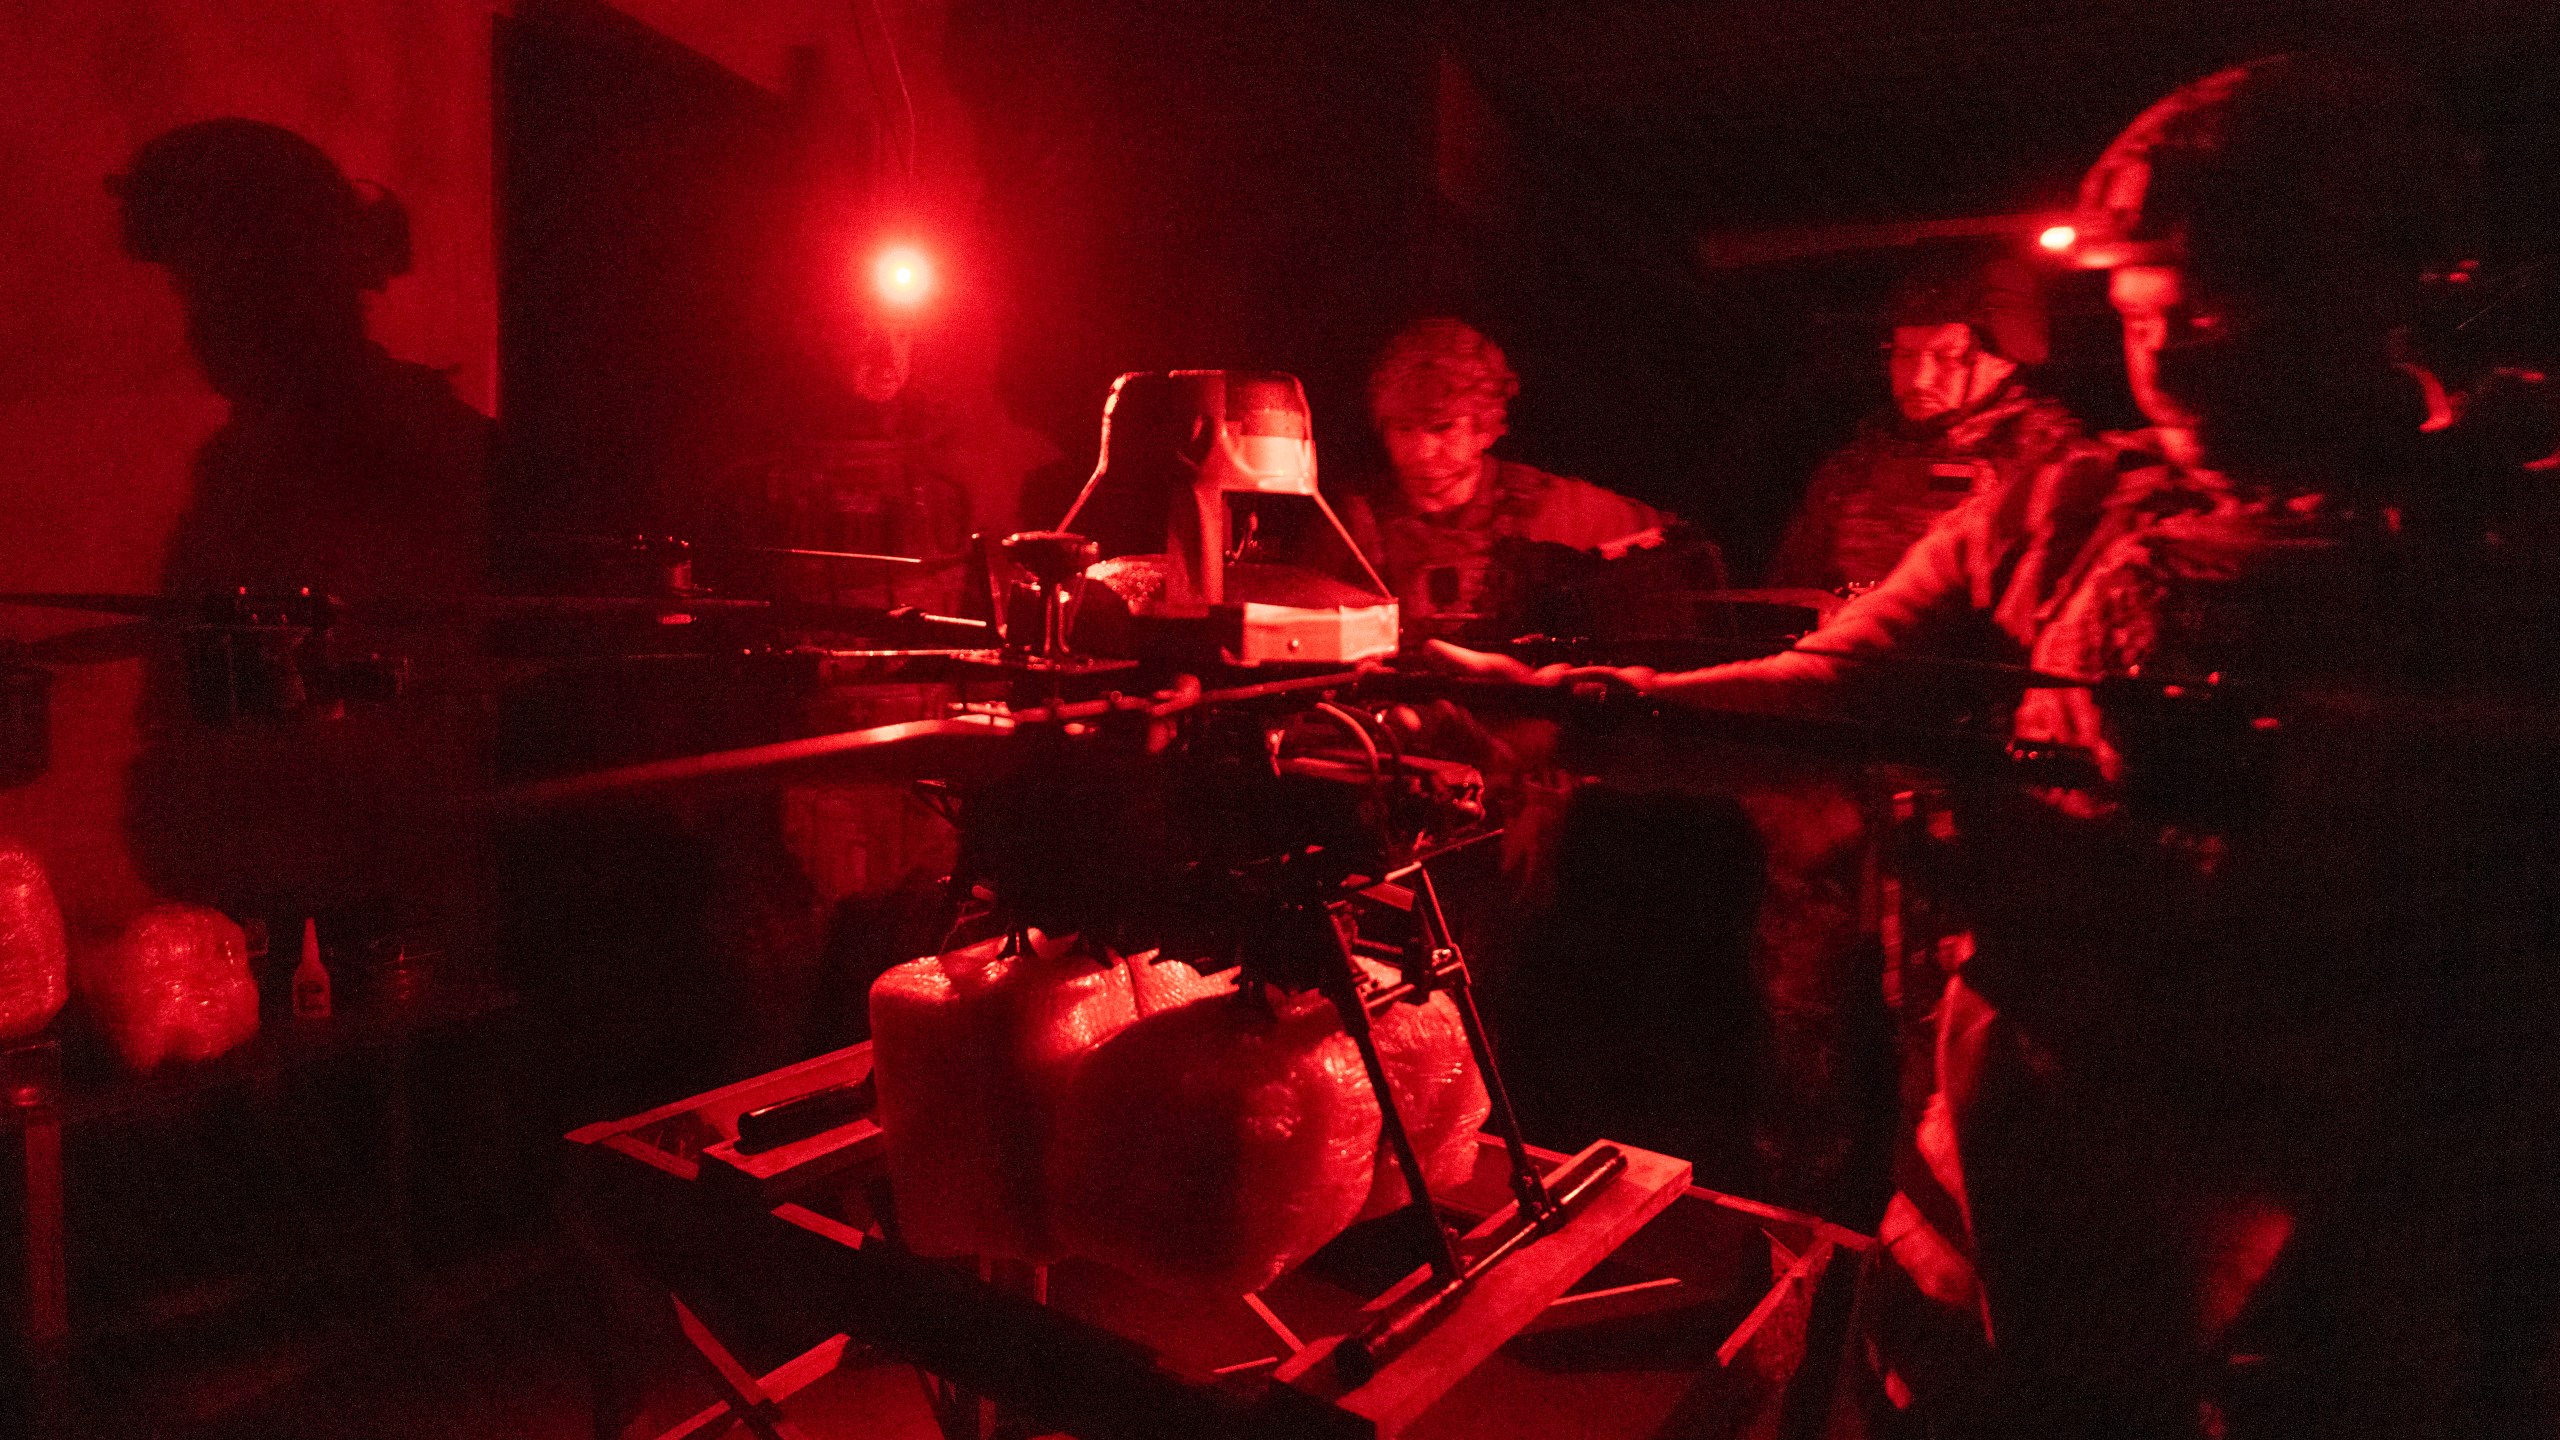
point(645, 235)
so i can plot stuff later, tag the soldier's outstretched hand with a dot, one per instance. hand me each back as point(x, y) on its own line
point(1484, 665)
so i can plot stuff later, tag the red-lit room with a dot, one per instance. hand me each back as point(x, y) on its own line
point(974, 720)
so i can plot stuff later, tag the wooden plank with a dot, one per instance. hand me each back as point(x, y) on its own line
point(826, 1225)
point(1064, 1372)
point(745, 1393)
point(776, 1175)
point(722, 1107)
point(1799, 1276)
point(768, 1178)
point(1618, 1302)
point(1279, 1328)
point(1500, 1304)
point(782, 1382)
point(1839, 1235)
point(653, 1157)
point(1812, 1225)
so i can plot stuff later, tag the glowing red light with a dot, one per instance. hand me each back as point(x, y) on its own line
point(902, 275)
point(2057, 238)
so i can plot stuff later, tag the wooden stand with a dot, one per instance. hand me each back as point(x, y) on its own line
point(1496, 1308)
point(47, 1095)
point(747, 1398)
point(1097, 1354)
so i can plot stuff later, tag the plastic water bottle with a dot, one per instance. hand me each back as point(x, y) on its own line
point(310, 978)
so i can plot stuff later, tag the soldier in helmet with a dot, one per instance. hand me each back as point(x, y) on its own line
point(2248, 1086)
point(340, 468)
point(1966, 330)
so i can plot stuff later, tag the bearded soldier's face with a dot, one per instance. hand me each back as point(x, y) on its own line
point(1941, 370)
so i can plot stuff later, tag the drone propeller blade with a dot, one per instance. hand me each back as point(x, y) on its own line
point(144, 607)
point(94, 644)
point(910, 750)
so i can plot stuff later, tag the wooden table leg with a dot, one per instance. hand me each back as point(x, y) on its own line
point(749, 1403)
point(395, 1154)
point(32, 1089)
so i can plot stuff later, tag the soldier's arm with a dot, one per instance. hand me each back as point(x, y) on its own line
point(1933, 584)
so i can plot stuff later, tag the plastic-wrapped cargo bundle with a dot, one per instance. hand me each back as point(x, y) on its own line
point(175, 986)
point(1168, 984)
point(1439, 1094)
point(1213, 1147)
point(971, 1051)
point(35, 969)
point(1041, 1102)
point(1210, 1147)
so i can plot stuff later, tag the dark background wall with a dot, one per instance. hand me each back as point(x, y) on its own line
point(643, 191)
point(1196, 186)
point(101, 408)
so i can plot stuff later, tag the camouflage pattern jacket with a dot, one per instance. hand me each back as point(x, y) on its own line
point(1879, 494)
point(1440, 565)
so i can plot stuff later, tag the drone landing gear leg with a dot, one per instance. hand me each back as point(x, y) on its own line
point(1342, 987)
point(1449, 973)
point(1544, 1203)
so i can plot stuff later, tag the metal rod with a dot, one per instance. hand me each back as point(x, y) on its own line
point(1342, 987)
point(1451, 974)
point(1446, 847)
point(1186, 694)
